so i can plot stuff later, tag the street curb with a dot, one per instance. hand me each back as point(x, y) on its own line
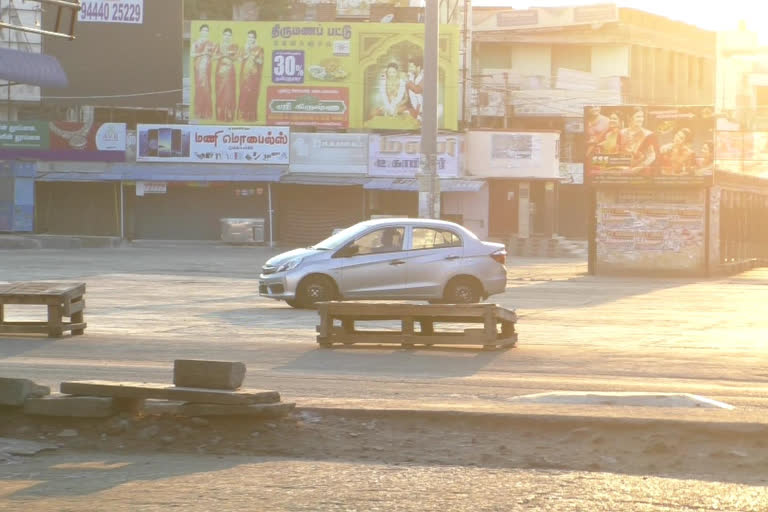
point(555, 420)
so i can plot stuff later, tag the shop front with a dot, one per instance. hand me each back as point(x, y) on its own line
point(522, 170)
point(72, 189)
point(323, 190)
point(393, 188)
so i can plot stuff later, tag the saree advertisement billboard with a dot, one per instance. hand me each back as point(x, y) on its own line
point(649, 145)
point(62, 140)
point(212, 144)
point(331, 75)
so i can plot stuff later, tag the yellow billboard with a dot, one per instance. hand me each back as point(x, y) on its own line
point(331, 75)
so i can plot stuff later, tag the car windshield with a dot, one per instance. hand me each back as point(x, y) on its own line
point(337, 240)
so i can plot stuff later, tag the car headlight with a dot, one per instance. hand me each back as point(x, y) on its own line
point(289, 265)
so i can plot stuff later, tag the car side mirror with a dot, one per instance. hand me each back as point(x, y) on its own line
point(347, 251)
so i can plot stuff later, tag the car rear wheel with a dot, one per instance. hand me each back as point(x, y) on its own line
point(314, 289)
point(462, 291)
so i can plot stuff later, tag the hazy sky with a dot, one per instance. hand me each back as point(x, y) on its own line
point(709, 15)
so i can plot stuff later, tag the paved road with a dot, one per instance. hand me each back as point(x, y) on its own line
point(149, 306)
point(118, 483)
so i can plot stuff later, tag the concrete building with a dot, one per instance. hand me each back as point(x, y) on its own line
point(537, 69)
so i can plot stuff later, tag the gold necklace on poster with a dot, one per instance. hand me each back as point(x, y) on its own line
point(76, 139)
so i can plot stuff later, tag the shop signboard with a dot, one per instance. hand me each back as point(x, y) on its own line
point(213, 144)
point(61, 140)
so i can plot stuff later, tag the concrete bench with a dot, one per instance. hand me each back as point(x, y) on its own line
point(350, 314)
point(62, 300)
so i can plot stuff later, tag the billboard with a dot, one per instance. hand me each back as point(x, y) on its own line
point(649, 145)
point(333, 75)
point(332, 153)
point(61, 140)
point(400, 155)
point(514, 154)
point(212, 144)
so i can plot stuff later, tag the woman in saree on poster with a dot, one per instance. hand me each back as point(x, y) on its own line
point(677, 157)
point(640, 143)
point(202, 55)
point(251, 66)
point(225, 77)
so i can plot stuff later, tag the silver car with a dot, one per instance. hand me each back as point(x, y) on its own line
point(393, 259)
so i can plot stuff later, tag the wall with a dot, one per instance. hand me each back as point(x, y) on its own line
point(610, 60)
point(122, 64)
point(651, 230)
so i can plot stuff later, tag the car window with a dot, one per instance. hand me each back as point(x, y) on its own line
point(388, 239)
point(428, 238)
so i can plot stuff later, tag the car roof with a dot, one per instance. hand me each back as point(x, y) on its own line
point(410, 222)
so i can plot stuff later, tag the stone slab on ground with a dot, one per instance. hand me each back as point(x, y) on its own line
point(637, 399)
point(70, 406)
point(193, 373)
point(263, 410)
point(147, 390)
point(17, 391)
point(12, 446)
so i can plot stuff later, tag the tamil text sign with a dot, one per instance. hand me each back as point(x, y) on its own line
point(213, 144)
point(60, 140)
point(400, 155)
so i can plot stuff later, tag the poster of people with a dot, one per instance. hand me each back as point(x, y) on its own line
point(333, 75)
point(649, 145)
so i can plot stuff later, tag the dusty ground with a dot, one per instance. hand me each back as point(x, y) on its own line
point(706, 451)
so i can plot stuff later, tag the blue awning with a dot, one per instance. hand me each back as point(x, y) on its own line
point(31, 68)
point(198, 172)
point(412, 184)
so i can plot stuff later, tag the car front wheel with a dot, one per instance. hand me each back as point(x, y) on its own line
point(314, 289)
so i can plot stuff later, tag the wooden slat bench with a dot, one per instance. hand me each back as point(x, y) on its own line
point(62, 299)
point(348, 314)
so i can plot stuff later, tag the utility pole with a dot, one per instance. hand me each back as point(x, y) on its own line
point(429, 185)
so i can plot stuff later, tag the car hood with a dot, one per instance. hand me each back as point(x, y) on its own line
point(281, 258)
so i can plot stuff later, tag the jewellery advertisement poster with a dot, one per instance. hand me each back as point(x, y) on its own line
point(62, 140)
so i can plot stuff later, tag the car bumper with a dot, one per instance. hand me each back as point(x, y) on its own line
point(276, 287)
point(496, 285)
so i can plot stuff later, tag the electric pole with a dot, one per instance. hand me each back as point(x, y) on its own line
point(429, 184)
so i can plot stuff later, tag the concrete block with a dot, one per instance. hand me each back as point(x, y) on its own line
point(261, 410)
point(192, 373)
point(17, 391)
point(70, 406)
point(147, 390)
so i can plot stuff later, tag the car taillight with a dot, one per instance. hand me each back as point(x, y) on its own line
point(500, 256)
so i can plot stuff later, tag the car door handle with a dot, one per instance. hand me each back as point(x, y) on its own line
point(453, 257)
point(397, 262)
